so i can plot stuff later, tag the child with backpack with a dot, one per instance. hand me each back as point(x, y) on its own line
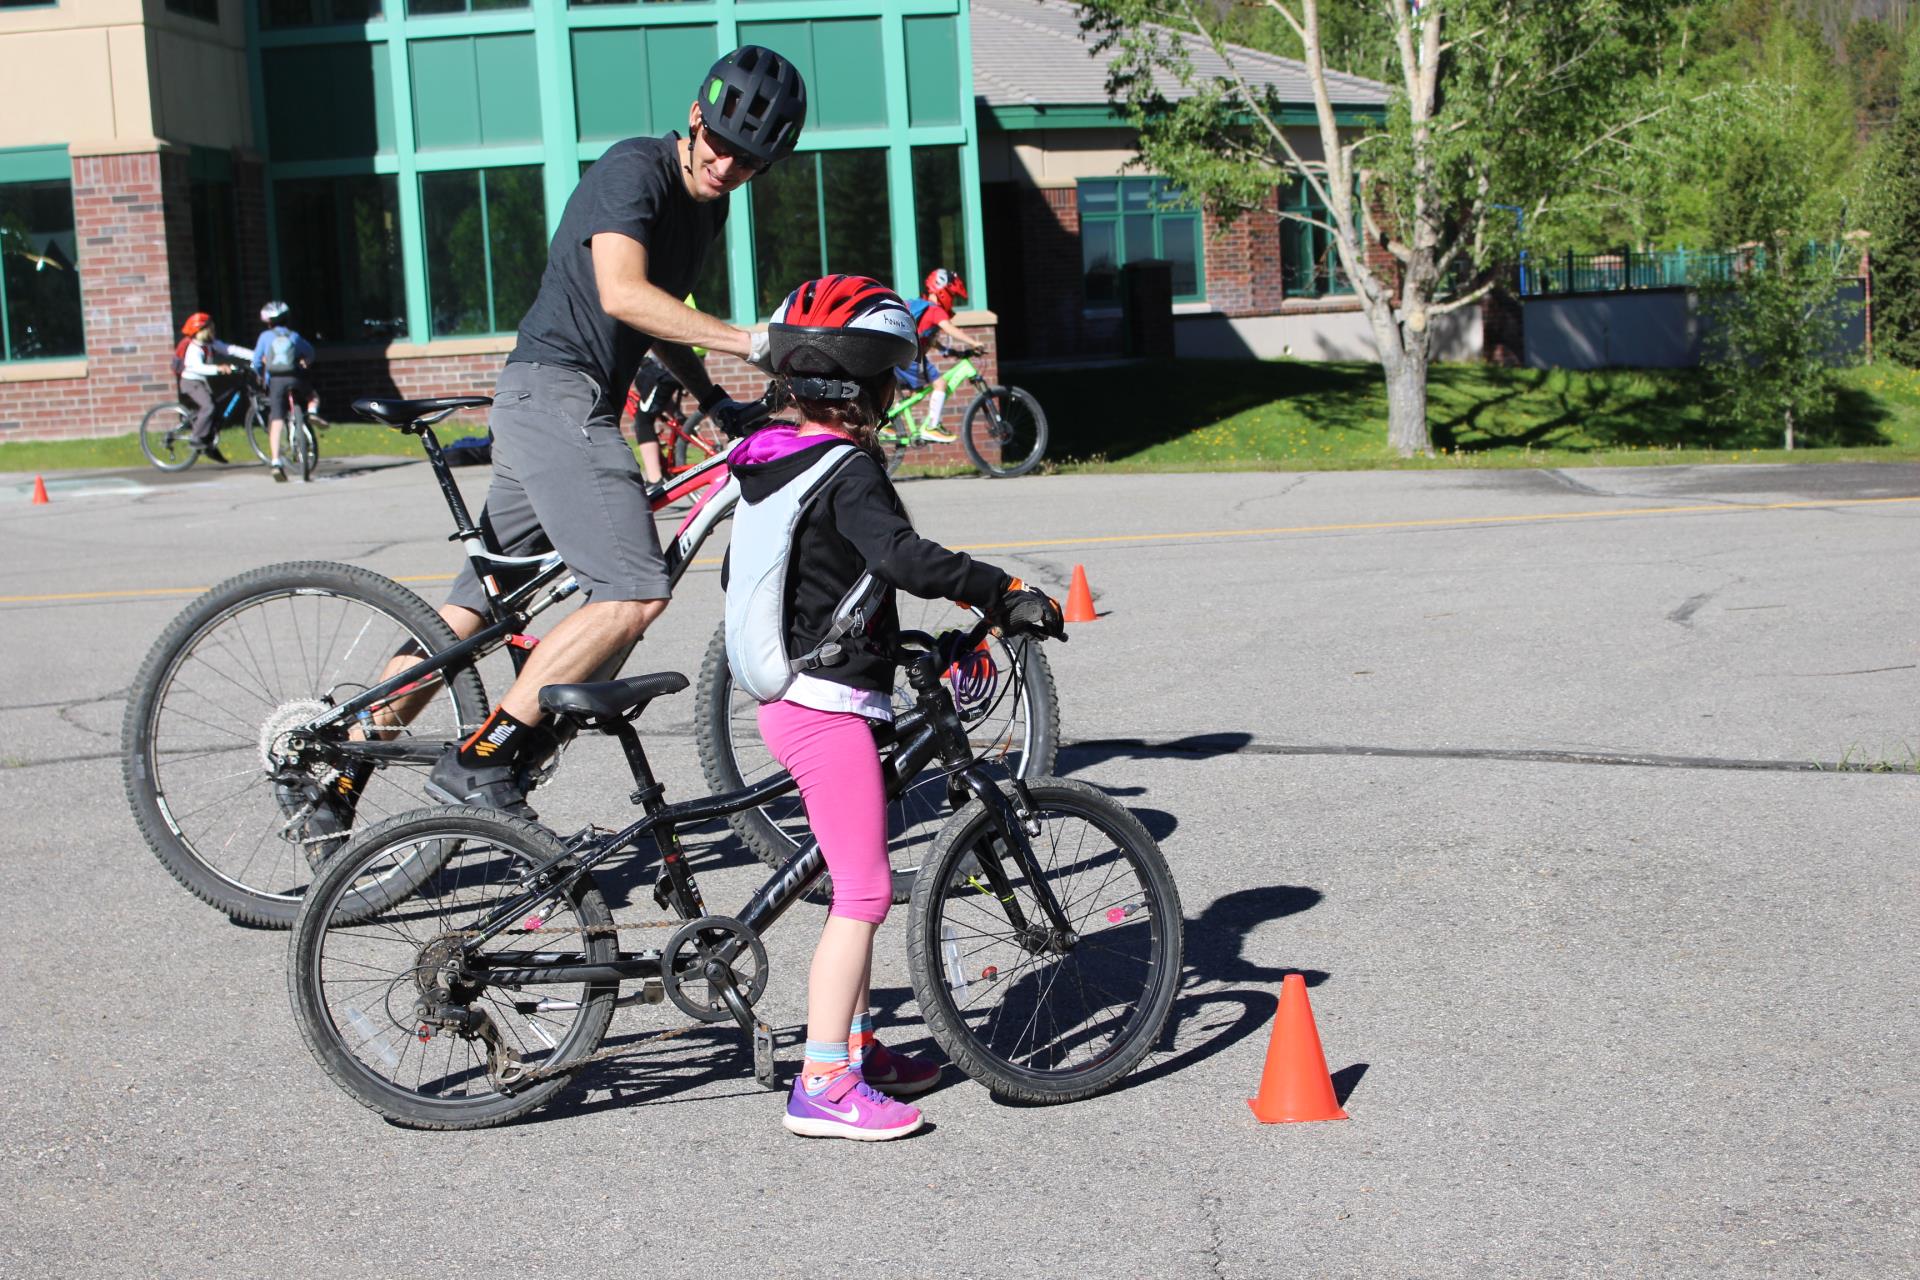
point(819, 528)
point(281, 355)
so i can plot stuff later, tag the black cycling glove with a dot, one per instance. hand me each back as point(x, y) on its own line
point(735, 417)
point(1025, 610)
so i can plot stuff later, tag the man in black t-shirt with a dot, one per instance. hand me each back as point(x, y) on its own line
point(629, 247)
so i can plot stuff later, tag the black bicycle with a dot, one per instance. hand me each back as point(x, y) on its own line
point(456, 968)
point(166, 432)
point(274, 685)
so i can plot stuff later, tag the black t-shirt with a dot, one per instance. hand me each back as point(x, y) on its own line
point(635, 189)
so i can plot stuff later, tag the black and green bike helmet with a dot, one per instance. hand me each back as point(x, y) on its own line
point(755, 101)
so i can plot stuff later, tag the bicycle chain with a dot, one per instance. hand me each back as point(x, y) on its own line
point(537, 1074)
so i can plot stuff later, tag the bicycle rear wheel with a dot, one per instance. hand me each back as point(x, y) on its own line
point(1005, 432)
point(1017, 725)
point(303, 450)
point(206, 761)
point(357, 978)
point(166, 438)
point(1034, 1016)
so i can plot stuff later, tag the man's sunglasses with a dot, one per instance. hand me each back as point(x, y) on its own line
point(725, 151)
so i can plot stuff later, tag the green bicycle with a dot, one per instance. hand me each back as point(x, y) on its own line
point(1004, 431)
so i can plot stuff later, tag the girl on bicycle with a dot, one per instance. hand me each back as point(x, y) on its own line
point(820, 536)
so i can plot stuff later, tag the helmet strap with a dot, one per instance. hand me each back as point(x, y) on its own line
point(810, 388)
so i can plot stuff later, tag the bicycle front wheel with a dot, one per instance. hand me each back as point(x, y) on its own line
point(1034, 1014)
point(359, 980)
point(1005, 432)
point(1015, 723)
point(206, 759)
point(166, 437)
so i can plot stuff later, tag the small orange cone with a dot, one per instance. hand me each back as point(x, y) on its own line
point(40, 498)
point(1079, 598)
point(1295, 1084)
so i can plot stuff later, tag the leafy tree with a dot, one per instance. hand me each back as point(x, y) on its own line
point(1892, 188)
point(1494, 103)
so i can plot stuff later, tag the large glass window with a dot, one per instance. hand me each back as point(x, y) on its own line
point(421, 8)
point(340, 264)
point(216, 266)
point(39, 274)
point(1309, 264)
point(317, 13)
point(825, 211)
point(1126, 220)
point(486, 238)
point(205, 10)
point(938, 230)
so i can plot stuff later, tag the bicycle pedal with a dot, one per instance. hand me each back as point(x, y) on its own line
point(763, 1056)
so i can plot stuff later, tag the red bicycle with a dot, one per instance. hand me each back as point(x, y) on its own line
point(687, 439)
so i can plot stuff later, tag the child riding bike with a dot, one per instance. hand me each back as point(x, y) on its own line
point(280, 356)
point(820, 542)
point(199, 360)
point(932, 314)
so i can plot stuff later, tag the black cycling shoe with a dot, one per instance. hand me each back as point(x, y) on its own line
point(213, 451)
point(494, 786)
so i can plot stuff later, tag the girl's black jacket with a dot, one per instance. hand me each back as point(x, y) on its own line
point(857, 524)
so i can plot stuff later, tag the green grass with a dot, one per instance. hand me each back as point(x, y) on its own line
point(1204, 415)
point(342, 441)
point(1194, 415)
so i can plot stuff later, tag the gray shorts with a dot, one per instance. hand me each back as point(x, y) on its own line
point(564, 479)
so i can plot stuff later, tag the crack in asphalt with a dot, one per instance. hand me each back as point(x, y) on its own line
point(1223, 745)
point(1210, 1214)
point(1202, 746)
point(1690, 606)
point(1294, 483)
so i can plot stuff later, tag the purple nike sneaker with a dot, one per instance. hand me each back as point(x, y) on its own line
point(898, 1075)
point(848, 1109)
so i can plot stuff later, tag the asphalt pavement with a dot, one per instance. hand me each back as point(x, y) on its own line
point(1584, 800)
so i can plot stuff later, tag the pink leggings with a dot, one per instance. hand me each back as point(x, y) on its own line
point(833, 756)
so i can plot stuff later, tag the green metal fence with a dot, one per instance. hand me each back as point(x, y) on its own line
point(1625, 269)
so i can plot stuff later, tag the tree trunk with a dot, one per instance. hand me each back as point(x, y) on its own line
point(1789, 430)
point(1407, 402)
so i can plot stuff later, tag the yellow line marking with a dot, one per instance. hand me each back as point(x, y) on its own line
point(1439, 522)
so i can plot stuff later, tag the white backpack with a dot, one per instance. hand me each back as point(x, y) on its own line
point(758, 562)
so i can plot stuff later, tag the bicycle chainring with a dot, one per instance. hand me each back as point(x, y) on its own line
point(704, 954)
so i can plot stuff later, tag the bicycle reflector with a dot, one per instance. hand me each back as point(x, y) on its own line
point(975, 677)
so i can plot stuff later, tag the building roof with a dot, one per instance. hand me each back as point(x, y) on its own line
point(1030, 53)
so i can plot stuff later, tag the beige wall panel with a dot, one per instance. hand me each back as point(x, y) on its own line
point(1336, 335)
point(73, 15)
point(199, 92)
point(132, 91)
point(59, 88)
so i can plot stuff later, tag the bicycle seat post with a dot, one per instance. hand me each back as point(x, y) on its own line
point(437, 459)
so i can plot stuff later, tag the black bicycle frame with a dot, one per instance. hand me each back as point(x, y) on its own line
point(933, 729)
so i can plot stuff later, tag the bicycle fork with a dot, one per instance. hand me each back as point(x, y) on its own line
point(1014, 823)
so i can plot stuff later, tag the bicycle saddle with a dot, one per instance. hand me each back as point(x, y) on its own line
point(608, 700)
point(405, 413)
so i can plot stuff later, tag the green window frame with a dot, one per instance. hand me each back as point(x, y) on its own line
point(818, 212)
point(485, 251)
point(1126, 220)
point(40, 311)
point(939, 213)
point(1309, 263)
point(437, 8)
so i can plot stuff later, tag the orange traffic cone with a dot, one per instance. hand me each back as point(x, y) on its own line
point(40, 498)
point(1295, 1084)
point(1079, 598)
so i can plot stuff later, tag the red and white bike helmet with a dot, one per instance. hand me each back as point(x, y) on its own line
point(834, 333)
point(943, 285)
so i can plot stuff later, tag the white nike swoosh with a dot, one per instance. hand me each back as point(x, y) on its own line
point(851, 1115)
